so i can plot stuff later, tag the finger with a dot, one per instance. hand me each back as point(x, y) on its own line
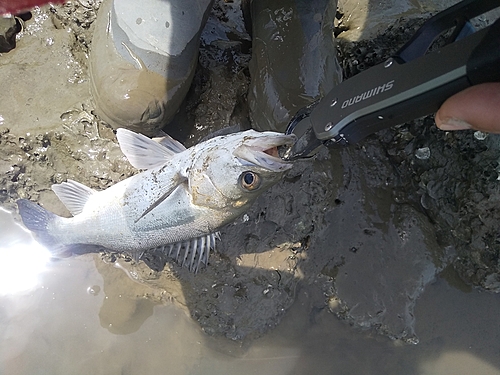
point(477, 107)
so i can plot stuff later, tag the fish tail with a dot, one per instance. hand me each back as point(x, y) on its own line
point(37, 219)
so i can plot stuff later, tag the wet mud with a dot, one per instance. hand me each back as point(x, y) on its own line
point(453, 177)
point(365, 230)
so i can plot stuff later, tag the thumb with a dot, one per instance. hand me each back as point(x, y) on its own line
point(477, 107)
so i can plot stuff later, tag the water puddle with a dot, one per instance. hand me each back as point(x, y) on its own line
point(64, 316)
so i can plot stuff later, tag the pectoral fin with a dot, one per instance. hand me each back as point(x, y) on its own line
point(176, 181)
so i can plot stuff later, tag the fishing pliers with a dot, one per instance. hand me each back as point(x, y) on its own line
point(411, 84)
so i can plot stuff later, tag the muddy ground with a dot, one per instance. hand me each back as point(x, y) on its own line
point(363, 230)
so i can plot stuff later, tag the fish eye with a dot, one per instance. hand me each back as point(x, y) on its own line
point(250, 180)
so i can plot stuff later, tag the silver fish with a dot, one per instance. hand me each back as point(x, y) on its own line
point(177, 204)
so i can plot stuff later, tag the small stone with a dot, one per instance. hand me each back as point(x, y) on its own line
point(423, 153)
point(480, 136)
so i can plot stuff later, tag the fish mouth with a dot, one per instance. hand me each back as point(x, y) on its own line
point(263, 150)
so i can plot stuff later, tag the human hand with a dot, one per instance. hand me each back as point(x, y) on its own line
point(477, 107)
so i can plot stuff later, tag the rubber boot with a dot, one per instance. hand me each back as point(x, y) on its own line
point(294, 58)
point(143, 58)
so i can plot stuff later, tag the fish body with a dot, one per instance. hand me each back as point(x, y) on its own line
point(178, 202)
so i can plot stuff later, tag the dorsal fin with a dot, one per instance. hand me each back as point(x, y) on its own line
point(73, 194)
point(170, 143)
point(143, 152)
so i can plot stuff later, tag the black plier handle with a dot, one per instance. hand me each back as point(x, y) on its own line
point(411, 84)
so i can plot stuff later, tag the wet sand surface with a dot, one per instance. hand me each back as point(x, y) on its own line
point(352, 264)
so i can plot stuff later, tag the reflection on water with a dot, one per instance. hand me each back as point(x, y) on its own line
point(78, 320)
point(23, 259)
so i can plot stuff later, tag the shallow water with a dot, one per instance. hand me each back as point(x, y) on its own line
point(56, 318)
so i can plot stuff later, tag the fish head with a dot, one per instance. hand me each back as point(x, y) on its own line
point(233, 170)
